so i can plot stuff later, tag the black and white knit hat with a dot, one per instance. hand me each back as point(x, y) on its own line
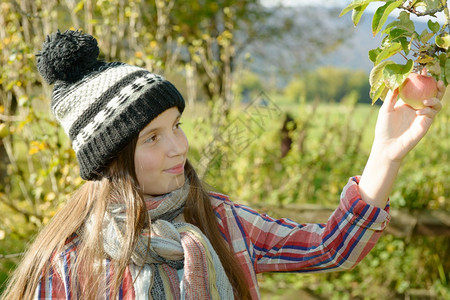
point(101, 106)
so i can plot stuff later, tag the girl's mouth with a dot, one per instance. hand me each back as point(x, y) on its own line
point(178, 169)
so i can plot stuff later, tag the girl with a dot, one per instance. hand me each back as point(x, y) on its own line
point(144, 227)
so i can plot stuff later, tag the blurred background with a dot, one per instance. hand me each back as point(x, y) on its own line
point(278, 117)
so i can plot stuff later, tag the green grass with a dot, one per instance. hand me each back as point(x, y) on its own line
point(328, 114)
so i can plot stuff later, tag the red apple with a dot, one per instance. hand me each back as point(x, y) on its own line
point(417, 88)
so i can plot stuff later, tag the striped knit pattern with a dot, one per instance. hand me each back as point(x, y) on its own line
point(261, 244)
point(106, 109)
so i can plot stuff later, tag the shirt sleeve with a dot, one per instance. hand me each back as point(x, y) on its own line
point(339, 244)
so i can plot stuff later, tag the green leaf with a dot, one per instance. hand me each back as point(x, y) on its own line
point(445, 66)
point(443, 41)
point(425, 36)
point(442, 59)
point(405, 44)
point(357, 13)
point(376, 80)
point(398, 32)
point(376, 93)
point(382, 14)
point(424, 59)
point(376, 74)
point(355, 4)
point(434, 67)
point(425, 48)
point(383, 94)
point(373, 54)
point(434, 26)
point(395, 74)
point(447, 72)
point(389, 51)
point(403, 22)
point(429, 4)
point(404, 16)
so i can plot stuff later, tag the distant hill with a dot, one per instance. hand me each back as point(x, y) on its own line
point(353, 53)
point(275, 58)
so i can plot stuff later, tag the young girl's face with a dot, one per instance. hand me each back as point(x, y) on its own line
point(160, 154)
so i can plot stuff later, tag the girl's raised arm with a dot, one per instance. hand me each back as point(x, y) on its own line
point(399, 128)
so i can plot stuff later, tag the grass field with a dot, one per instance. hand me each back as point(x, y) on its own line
point(328, 114)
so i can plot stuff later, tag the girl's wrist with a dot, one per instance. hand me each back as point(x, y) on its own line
point(383, 154)
point(379, 176)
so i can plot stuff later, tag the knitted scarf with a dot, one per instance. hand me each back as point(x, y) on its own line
point(168, 247)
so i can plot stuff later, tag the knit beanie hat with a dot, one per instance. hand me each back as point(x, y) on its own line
point(101, 106)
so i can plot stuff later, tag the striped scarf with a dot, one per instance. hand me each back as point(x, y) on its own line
point(168, 247)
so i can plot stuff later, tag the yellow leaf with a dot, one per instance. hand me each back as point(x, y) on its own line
point(425, 59)
point(33, 150)
point(36, 147)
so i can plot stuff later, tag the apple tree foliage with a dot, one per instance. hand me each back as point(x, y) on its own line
point(427, 49)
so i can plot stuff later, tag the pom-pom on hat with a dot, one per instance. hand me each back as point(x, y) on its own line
point(101, 106)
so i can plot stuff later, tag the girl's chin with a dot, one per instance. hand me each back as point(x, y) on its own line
point(179, 181)
point(175, 182)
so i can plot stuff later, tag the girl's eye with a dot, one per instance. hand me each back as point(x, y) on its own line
point(152, 139)
point(178, 125)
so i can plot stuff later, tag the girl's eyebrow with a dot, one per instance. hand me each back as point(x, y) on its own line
point(150, 130)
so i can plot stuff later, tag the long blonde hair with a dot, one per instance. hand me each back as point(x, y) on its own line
point(118, 183)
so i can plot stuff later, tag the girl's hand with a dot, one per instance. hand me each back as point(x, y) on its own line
point(400, 127)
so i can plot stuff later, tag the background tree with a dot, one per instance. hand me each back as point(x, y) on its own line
point(329, 84)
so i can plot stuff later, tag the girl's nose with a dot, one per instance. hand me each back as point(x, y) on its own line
point(177, 145)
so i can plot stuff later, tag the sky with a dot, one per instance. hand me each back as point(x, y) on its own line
point(342, 3)
point(306, 2)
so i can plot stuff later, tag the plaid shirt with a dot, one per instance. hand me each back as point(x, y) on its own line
point(264, 244)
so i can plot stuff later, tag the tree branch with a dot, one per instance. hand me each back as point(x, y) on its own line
point(17, 209)
point(11, 255)
point(430, 12)
point(6, 118)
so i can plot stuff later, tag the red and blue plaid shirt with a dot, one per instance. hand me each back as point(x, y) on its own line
point(265, 244)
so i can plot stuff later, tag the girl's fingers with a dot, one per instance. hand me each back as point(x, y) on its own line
point(441, 89)
point(390, 100)
point(433, 106)
point(434, 103)
point(427, 112)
